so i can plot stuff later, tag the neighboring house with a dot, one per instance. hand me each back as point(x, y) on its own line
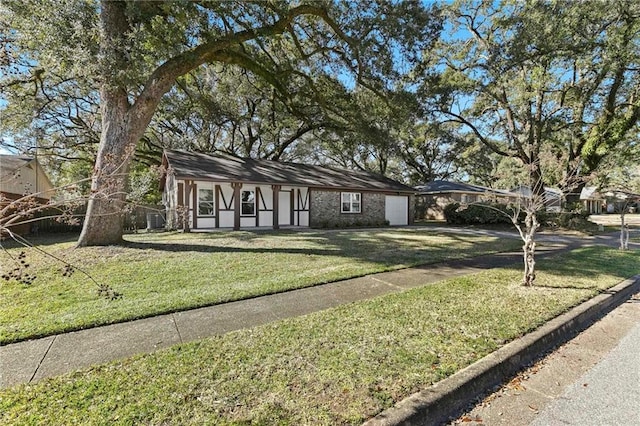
point(222, 191)
point(21, 176)
point(552, 197)
point(432, 198)
point(621, 201)
point(592, 200)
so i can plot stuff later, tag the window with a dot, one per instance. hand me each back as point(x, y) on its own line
point(248, 207)
point(350, 202)
point(205, 202)
point(469, 199)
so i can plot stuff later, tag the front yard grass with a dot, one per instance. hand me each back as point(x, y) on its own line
point(339, 366)
point(160, 273)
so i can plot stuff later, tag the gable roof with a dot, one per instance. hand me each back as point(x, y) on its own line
point(227, 168)
point(590, 193)
point(34, 180)
point(443, 186)
point(9, 164)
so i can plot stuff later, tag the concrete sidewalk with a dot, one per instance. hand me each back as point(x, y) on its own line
point(32, 360)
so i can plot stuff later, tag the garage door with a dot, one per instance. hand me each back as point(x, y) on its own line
point(396, 209)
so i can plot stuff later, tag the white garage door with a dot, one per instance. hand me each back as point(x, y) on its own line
point(396, 209)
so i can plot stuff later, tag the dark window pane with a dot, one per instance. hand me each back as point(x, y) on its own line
point(248, 208)
point(205, 194)
point(205, 202)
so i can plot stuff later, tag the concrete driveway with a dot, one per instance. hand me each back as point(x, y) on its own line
point(614, 219)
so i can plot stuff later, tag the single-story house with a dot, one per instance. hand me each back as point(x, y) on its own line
point(203, 191)
point(22, 176)
point(553, 197)
point(620, 200)
point(592, 200)
point(432, 198)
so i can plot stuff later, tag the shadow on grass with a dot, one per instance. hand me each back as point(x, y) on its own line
point(359, 244)
point(44, 240)
point(204, 248)
point(365, 245)
point(570, 287)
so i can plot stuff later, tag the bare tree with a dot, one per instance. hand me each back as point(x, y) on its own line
point(31, 209)
point(527, 204)
point(623, 200)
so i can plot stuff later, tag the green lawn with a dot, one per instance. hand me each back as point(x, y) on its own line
point(339, 366)
point(159, 273)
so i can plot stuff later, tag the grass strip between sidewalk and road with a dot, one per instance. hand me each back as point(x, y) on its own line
point(168, 272)
point(339, 366)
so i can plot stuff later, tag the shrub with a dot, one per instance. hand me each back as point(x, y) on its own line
point(477, 214)
point(572, 220)
point(451, 213)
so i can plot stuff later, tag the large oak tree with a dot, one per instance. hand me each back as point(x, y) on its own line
point(528, 77)
point(133, 52)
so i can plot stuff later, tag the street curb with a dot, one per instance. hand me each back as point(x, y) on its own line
point(448, 398)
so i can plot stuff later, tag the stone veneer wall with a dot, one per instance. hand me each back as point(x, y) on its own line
point(325, 210)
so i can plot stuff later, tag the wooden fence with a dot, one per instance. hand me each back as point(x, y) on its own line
point(56, 220)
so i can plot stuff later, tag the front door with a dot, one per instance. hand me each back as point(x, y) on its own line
point(284, 208)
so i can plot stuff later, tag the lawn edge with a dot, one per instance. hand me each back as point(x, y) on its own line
point(450, 397)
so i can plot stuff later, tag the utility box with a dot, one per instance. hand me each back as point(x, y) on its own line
point(155, 221)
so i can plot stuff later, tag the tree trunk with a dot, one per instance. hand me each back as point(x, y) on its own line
point(103, 221)
point(529, 248)
point(624, 231)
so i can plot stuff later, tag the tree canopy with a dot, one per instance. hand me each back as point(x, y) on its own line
point(132, 53)
point(529, 78)
point(492, 92)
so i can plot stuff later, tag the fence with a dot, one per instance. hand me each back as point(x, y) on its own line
point(58, 220)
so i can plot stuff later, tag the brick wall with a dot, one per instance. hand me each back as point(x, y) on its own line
point(431, 207)
point(325, 210)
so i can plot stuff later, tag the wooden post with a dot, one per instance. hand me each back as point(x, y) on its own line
point(276, 206)
point(293, 206)
point(185, 220)
point(237, 204)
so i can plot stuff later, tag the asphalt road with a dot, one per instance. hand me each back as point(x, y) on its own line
point(609, 394)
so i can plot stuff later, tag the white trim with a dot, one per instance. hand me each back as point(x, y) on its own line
point(212, 202)
point(354, 199)
point(253, 201)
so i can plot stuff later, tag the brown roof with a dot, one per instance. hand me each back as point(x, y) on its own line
point(10, 164)
point(443, 186)
point(227, 168)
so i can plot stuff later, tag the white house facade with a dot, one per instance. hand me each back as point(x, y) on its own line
point(221, 191)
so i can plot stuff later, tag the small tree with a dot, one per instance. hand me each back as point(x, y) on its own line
point(624, 200)
point(528, 204)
